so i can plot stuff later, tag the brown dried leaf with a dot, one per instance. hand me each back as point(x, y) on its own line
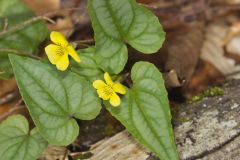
point(232, 42)
point(204, 75)
point(213, 51)
point(7, 86)
point(43, 6)
point(183, 50)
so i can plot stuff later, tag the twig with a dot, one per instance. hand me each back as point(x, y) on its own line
point(83, 45)
point(18, 102)
point(12, 110)
point(17, 27)
point(13, 51)
point(65, 154)
point(8, 98)
point(157, 5)
point(85, 41)
point(80, 155)
point(34, 19)
point(5, 24)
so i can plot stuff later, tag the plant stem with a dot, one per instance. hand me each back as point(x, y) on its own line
point(13, 51)
point(20, 26)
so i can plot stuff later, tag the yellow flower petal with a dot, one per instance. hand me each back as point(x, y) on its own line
point(102, 94)
point(108, 79)
point(119, 88)
point(115, 100)
point(99, 84)
point(63, 63)
point(58, 38)
point(51, 51)
point(73, 53)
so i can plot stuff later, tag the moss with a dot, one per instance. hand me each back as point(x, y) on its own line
point(175, 107)
point(214, 91)
point(82, 156)
point(183, 119)
point(211, 92)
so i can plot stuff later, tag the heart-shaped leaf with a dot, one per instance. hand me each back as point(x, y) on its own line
point(54, 98)
point(118, 21)
point(23, 40)
point(145, 113)
point(17, 142)
point(88, 67)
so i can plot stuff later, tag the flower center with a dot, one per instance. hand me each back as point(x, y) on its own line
point(61, 50)
point(108, 90)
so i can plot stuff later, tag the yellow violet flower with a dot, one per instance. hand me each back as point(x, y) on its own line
point(58, 52)
point(109, 90)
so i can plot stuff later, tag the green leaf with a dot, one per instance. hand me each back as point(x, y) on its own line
point(146, 34)
point(88, 67)
point(145, 112)
point(17, 143)
point(54, 98)
point(24, 40)
point(116, 22)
